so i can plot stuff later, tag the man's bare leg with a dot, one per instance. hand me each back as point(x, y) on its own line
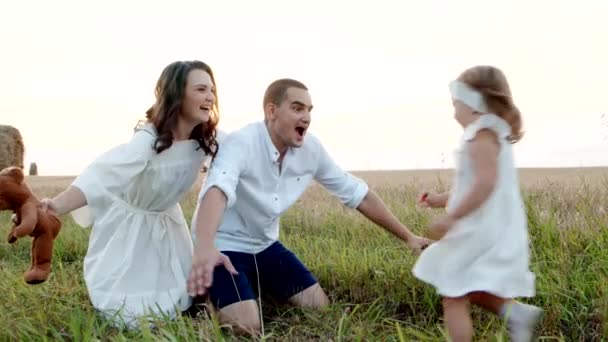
point(243, 316)
point(312, 297)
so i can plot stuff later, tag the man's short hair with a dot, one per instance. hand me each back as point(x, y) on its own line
point(277, 90)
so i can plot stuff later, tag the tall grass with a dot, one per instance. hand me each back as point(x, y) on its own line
point(366, 272)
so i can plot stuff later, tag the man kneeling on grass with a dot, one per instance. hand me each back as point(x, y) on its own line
point(259, 172)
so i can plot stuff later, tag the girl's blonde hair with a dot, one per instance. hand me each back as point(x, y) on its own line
point(492, 83)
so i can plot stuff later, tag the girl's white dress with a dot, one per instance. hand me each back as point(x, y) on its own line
point(140, 250)
point(488, 250)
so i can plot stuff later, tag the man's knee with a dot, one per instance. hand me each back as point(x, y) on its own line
point(455, 302)
point(243, 316)
point(312, 297)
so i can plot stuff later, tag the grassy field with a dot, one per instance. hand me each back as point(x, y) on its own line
point(366, 272)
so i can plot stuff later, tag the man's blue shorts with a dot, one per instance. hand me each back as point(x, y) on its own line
point(281, 275)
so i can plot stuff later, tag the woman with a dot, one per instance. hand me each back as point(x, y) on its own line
point(140, 250)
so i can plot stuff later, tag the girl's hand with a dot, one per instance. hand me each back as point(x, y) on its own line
point(441, 226)
point(432, 200)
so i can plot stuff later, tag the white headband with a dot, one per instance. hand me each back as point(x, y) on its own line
point(462, 92)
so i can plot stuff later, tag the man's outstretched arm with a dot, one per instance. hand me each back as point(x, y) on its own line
point(376, 211)
point(354, 193)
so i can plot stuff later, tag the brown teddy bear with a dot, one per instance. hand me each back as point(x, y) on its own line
point(30, 220)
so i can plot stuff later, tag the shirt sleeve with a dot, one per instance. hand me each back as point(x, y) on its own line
point(221, 135)
point(111, 173)
point(349, 189)
point(227, 167)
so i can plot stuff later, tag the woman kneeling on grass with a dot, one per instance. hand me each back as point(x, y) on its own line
point(140, 250)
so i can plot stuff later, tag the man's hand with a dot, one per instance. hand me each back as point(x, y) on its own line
point(417, 244)
point(204, 261)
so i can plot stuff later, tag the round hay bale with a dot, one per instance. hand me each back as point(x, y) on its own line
point(11, 147)
point(33, 169)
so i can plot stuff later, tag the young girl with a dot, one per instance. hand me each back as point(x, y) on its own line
point(140, 249)
point(482, 254)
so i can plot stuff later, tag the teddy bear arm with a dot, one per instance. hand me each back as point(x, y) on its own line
point(29, 218)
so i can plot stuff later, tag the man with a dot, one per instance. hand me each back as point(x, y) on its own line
point(260, 172)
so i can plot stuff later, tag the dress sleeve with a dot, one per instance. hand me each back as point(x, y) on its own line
point(111, 173)
point(488, 121)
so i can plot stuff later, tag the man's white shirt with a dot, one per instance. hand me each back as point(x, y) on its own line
point(246, 169)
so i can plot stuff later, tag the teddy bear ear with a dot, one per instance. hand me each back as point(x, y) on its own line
point(14, 172)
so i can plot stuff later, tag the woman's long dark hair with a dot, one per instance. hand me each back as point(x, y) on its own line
point(169, 92)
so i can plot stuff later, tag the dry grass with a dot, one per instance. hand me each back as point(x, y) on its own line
point(529, 177)
point(365, 270)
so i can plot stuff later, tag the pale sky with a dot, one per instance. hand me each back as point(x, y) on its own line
point(75, 76)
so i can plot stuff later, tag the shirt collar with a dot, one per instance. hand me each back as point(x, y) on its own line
point(272, 151)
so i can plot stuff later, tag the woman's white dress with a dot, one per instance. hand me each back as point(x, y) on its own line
point(487, 250)
point(140, 251)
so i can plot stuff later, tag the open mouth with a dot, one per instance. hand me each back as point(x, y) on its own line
point(301, 131)
point(206, 108)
